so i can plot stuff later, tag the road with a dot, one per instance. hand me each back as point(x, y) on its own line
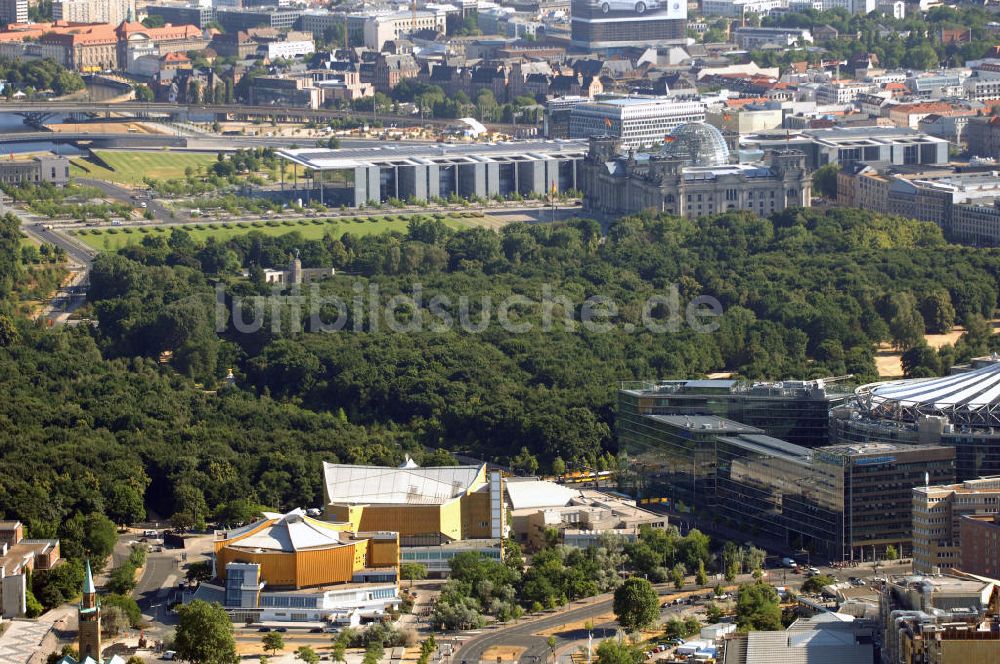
point(525, 634)
point(203, 142)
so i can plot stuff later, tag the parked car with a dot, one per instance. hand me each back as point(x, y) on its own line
point(264, 629)
point(169, 655)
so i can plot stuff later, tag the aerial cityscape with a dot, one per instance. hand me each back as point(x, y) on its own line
point(499, 331)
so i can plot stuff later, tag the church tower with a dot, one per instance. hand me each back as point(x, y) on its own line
point(89, 616)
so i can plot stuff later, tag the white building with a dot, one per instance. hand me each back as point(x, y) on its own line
point(289, 49)
point(93, 11)
point(636, 121)
point(753, 38)
point(739, 8)
point(892, 8)
point(840, 92)
point(400, 25)
point(983, 87)
point(853, 6)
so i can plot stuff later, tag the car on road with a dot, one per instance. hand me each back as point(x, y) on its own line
point(264, 629)
point(814, 570)
point(150, 533)
point(280, 629)
point(169, 655)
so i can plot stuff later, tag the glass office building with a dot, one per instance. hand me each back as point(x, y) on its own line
point(781, 493)
point(794, 411)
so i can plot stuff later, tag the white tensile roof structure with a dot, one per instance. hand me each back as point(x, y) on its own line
point(287, 533)
point(408, 485)
point(971, 398)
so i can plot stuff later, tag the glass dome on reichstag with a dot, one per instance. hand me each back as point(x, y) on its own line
point(697, 144)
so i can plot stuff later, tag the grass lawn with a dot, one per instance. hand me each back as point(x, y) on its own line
point(110, 239)
point(130, 166)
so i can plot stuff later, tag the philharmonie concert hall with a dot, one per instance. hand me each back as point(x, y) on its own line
point(961, 410)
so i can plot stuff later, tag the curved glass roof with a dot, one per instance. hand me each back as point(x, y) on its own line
point(973, 389)
point(697, 144)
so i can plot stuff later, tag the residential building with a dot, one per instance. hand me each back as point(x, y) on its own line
point(841, 92)
point(580, 517)
point(343, 84)
point(949, 619)
point(35, 170)
point(910, 115)
point(983, 136)
point(390, 70)
point(983, 87)
point(635, 121)
point(937, 515)
point(183, 14)
point(751, 39)
point(690, 177)
point(980, 537)
point(357, 176)
point(18, 558)
point(950, 126)
point(13, 11)
point(93, 11)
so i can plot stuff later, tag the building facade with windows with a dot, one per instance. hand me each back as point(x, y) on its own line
point(357, 176)
point(980, 552)
point(35, 170)
point(937, 514)
point(846, 146)
point(635, 121)
point(670, 181)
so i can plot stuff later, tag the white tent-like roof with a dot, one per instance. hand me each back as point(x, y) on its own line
point(409, 485)
point(538, 493)
point(290, 532)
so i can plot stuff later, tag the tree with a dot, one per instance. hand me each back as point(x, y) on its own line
point(701, 577)
point(205, 634)
point(273, 642)
point(113, 620)
point(551, 642)
point(558, 466)
point(758, 608)
point(144, 93)
point(306, 654)
point(938, 311)
point(338, 650)
point(413, 572)
point(636, 604)
point(713, 613)
point(677, 575)
point(891, 553)
point(824, 180)
point(125, 505)
point(906, 326)
point(610, 651)
point(815, 584)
